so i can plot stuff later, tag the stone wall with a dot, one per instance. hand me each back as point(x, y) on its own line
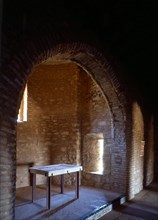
point(30, 36)
point(149, 153)
point(137, 156)
point(51, 134)
point(96, 125)
point(67, 115)
point(18, 64)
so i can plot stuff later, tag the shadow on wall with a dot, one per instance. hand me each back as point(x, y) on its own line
point(24, 168)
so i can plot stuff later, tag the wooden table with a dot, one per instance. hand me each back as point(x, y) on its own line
point(54, 170)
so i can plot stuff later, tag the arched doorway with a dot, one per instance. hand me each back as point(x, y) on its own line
point(100, 71)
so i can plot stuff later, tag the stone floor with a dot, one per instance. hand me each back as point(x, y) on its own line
point(143, 206)
point(93, 204)
point(63, 206)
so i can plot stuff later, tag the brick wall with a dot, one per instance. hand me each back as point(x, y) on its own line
point(96, 124)
point(149, 154)
point(137, 156)
point(12, 81)
point(33, 37)
point(51, 134)
point(66, 109)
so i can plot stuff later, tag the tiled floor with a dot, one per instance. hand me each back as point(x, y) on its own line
point(63, 206)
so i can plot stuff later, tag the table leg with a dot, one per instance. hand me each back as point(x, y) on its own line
point(48, 192)
point(77, 184)
point(33, 187)
point(62, 184)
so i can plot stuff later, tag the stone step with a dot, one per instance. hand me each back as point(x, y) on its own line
point(104, 209)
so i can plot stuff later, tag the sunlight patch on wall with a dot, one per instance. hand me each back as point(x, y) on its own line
point(22, 116)
point(93, 153)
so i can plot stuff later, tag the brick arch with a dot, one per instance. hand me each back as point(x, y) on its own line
point(14, 79)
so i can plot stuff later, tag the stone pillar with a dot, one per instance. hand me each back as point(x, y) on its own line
point(7, 170)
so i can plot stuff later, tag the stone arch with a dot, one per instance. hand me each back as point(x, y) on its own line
point(13, 80)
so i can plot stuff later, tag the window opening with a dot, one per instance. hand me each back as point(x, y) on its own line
point(22, 116)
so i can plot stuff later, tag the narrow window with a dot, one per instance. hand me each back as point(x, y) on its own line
point(22, 116)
